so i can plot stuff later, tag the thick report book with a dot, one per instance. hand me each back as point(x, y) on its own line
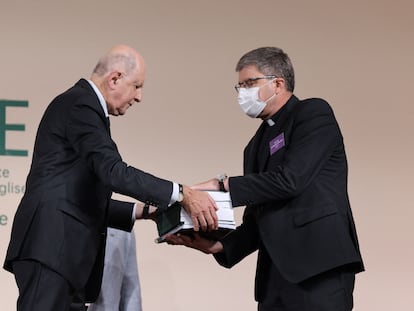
point(175, 219)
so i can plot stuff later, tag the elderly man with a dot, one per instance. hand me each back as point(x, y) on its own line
point(56, 251)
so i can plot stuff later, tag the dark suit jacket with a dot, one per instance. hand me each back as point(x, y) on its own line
point(62, 218)
point(295, 192)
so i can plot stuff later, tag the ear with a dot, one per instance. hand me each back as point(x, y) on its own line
point(279, 83)
point(112, 79)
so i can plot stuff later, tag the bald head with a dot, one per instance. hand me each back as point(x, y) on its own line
point(121, 58)
point(120, 75)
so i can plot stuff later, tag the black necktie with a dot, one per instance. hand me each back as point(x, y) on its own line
point(108, 123)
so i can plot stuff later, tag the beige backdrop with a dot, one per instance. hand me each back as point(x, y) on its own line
point(356, 54)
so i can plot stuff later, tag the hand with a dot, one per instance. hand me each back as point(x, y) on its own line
point(201, 208)
point(197, 242)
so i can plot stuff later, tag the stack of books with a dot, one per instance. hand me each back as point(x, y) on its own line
point(176, 220)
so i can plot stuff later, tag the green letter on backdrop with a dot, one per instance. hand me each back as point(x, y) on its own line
point(10, 127)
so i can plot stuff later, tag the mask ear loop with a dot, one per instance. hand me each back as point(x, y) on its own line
point(270, 98)
point(274, 94)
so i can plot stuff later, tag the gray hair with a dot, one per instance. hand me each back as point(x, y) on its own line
point(125, 62)
point(270, 61)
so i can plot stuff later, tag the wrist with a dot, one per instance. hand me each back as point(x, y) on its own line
point(217, 247)
point(221, 179)
point(185, 194)
point(145, 211)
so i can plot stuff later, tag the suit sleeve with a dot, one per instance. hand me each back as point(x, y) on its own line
point(120, 215)
point(239, 243)
point(88, 134)
point(314, 136)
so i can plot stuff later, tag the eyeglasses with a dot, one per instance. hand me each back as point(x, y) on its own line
point(251, 82)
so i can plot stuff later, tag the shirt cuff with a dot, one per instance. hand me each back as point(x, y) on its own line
point(174, 194)
point(134, 213)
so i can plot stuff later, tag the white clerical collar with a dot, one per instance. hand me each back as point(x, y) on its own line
point(270, 122)
point(100, 97)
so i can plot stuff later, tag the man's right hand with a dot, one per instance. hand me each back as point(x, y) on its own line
point(201, 208)
point(197, 242)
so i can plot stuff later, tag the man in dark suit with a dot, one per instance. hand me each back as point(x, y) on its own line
point(56, 251)
point(294, 188)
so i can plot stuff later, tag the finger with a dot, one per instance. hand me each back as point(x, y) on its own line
point(213, 203)
point(203, 222)
point(186, 240)
point(195, 223)
point(170, 241)
point(174, 240)
point(213, 214)
point(211, 223)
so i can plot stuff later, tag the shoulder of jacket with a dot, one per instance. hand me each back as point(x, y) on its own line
point(313, 104)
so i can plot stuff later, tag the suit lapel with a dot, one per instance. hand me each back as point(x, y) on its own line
point(108, 124)
point(274, 132)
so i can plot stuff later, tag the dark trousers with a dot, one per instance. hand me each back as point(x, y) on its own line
point(42, 289)
point(329, 291)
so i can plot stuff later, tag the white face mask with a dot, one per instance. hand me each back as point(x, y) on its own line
point(249, 101)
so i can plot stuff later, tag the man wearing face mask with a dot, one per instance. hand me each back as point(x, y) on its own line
point(294, 188)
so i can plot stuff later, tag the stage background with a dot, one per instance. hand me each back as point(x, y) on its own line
point(358, 55)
